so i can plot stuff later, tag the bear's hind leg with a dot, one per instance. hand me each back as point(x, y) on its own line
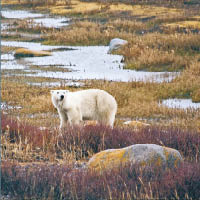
point(107, 117)
point(111, 119)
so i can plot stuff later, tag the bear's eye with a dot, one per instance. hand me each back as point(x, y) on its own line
point(57, 92)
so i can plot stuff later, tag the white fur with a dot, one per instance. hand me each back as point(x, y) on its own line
point(92, 104)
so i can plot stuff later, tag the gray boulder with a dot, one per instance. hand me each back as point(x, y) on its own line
point(115, 44)
point(142, 154)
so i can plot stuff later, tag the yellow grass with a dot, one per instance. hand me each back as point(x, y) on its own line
point(5, 2)
point(32, 99)
point(85, 33)
point(144, 11)
point(184, 24)
point(196, 17)
point(135, 100)
point(78, 7)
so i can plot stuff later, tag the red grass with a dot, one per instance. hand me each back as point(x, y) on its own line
point(92, 139)
point(63, 182)
point(98, 138)
point(17, 131)
point(45, 181)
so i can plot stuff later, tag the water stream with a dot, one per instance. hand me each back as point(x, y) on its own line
point(90, 62)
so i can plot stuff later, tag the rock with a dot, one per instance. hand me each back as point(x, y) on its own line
point(23, 52)
point(116, 43)
point(136, 124)
point(90, 123)
point(142, 154)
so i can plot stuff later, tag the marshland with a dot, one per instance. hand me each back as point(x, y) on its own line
point(155, 79)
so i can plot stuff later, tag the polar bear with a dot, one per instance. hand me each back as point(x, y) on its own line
point(91, 104)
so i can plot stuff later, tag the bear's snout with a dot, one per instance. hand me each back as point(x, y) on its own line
point(61, 97)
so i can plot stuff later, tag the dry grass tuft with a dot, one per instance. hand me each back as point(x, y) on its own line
point(84, 33)
point(32, 99)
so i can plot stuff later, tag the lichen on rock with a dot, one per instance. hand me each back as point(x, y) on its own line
point(142, 154)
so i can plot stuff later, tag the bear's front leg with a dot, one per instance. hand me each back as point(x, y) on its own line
point(63, 119)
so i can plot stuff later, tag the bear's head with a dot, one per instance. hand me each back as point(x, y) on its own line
point(58, 96)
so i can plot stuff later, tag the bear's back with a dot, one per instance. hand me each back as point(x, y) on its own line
point(92, 97)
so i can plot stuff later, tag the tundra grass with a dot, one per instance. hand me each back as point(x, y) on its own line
point(28, 26)
point(80, 8)
point(136, 100)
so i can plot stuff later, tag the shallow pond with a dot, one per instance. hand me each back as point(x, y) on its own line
point(19, 14)
point(38, 18)
point(90, 62)
point(180, 103)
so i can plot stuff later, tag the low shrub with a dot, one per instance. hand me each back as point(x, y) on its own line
point(98, 138)
point(130, 182)
point(32, 180)
point(16, 132)
point(85, 141)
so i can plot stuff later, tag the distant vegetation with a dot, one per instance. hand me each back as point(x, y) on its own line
point(160, 38)
point(142, 2)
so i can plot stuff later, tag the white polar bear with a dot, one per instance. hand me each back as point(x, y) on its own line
point(91, 104)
